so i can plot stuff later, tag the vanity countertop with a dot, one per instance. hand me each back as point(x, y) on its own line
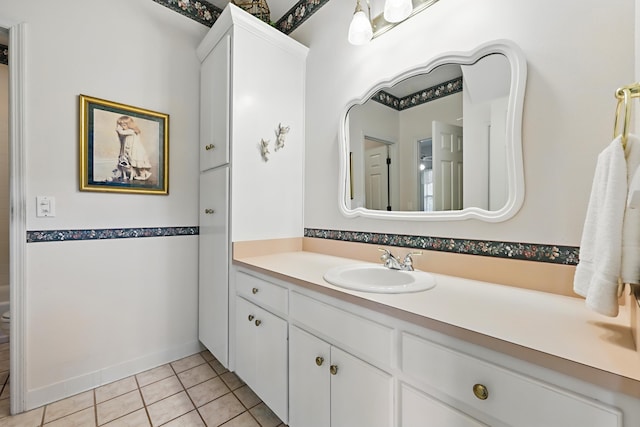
point(557, 332)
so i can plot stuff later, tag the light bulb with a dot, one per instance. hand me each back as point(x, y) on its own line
point(360, 31)
point(397, 10)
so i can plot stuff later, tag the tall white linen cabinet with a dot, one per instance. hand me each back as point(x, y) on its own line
point(252, 84)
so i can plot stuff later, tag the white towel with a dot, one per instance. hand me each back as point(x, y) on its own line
point(630, 268)
point(596, 276)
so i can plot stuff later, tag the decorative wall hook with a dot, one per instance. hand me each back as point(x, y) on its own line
point(281, 132)
point(264, 149)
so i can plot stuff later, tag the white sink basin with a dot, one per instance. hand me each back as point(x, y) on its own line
point(379, 279)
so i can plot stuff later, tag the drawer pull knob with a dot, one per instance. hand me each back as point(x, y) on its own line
point(209, 211)
point(258, 322)
point(254, 290)
point(251, 317)
point(333, 369)
point(480, 391)
point(209, 147)
point(319, 360)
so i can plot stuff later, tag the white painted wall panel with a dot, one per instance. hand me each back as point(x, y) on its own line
point(267, 196)
point(101, 310)
point(573, 71)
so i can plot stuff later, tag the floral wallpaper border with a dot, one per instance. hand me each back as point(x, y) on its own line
point(4, 54)
point(421, 97)
point(200, 11)
point(567, 255)
point(299, 13)
point(206, 13)
point(111, 233)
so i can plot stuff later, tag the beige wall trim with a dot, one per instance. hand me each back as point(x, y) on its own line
point(539, 276)
point(266, 247)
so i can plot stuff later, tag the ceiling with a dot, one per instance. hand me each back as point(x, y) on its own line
point(277, 7)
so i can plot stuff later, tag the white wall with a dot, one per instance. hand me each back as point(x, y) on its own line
point(578, 53)
point(99, 310)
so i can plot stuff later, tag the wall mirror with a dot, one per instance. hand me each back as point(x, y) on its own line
point(438, 142)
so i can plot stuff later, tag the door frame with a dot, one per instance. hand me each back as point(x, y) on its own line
point(17, 212)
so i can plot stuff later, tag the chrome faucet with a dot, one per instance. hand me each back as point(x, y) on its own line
point(391, 262)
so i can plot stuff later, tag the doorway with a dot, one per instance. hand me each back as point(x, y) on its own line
point(17, 208)
point(377, 167)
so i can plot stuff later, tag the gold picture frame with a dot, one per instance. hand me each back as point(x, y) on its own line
point(123, 149)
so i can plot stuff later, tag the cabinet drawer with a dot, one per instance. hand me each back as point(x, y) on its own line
point(512, 398)
point(416, 407)
point(371, 339)
point(265, 294)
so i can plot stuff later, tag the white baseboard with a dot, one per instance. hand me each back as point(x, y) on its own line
point(69, 387)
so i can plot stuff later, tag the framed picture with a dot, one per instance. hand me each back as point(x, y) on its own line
point(123, 149)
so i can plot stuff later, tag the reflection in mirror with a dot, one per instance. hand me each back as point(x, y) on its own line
point(441, 142)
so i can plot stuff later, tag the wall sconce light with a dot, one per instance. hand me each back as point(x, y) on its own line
point(397, 10)
point(360, 30)
point(364, 27)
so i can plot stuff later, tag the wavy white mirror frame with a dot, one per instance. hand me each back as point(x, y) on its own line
point(515, 172)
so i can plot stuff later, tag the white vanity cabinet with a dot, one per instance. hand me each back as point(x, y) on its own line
point(348, 366)
point(330, 387)
point(252, 84)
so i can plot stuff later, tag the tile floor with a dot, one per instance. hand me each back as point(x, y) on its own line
point(190, 392)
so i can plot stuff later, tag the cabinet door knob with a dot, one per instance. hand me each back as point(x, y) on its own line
point(209, 211)
point(333, 369)
point(258, 322)
point(319, 360)
point(480, 391)
point(209, 147)
point(251, 317)
point(254, 290)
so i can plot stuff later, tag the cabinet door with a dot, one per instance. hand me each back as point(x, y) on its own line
point(261, 354)
point(245, 351)
point(214, 106)
point(213, 280)
point(361, 395)
point(271, 362)
point(309, 361)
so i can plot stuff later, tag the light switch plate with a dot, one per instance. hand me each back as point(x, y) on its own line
point(45, 206)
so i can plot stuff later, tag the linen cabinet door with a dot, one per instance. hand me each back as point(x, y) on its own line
point(361, 395)
point(213, 265)
point(271, 362)
point(214, 106)
point(309, 380)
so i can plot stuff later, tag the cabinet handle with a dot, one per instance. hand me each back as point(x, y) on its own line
point(254, 290)
point(258, 322)
point(209, 147)
point(333, 369)
point(319, 360)
point(480, 391)
point(251, 317)
point(209, 211)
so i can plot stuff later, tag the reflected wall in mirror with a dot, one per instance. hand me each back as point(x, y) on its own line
point(441, 141)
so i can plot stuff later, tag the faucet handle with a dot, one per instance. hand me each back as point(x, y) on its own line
point(386, 254)
point(407, 263)
point(410, 254)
